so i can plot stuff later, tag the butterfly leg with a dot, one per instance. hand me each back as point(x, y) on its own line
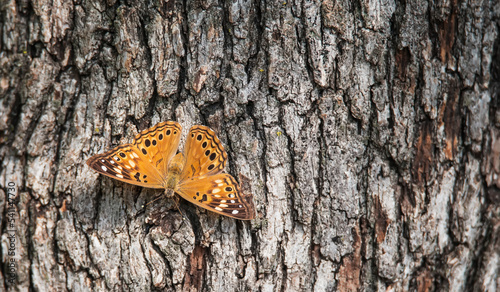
point(169, 193)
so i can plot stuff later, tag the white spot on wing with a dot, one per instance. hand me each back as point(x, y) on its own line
point(135, 155)
point(132, 163)
point(117, 170)
point(217, 196)
point(235, 212)
point(222, 201)
point(104, 168)
point(231, 195)
point(112, 162)
point(218, 181)
point(223, 205)
point(119, 175)
point(220, 185)
point(232, 201)
point(215, 191)
point(102, 160)
point(218, 209)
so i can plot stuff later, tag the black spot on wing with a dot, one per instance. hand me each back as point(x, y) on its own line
point(204, 198)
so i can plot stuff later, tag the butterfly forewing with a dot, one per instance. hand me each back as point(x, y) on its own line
point(204, 153)
point(219, 193)
point(124, 163)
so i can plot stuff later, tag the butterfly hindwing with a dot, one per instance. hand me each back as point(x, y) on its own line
point(159, 144)
point(204, 153)
point(124, 163)
point(218, 193)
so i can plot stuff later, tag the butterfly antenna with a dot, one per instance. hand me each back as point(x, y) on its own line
point(159, 197)
point(176, 199)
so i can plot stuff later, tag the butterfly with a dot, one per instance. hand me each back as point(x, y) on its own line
point(196, 174)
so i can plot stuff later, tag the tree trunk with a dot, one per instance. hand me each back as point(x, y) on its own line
point(367, 131)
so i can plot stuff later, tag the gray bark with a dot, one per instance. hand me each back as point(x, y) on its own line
point(367, 131)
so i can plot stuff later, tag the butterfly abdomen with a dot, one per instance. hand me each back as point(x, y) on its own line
point(175, 167)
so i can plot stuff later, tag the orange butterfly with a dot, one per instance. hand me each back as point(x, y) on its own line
point(196, 175)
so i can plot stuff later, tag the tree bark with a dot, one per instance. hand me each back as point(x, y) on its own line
point(367, 131)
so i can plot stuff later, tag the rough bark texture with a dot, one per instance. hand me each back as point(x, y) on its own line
point(368, 132)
